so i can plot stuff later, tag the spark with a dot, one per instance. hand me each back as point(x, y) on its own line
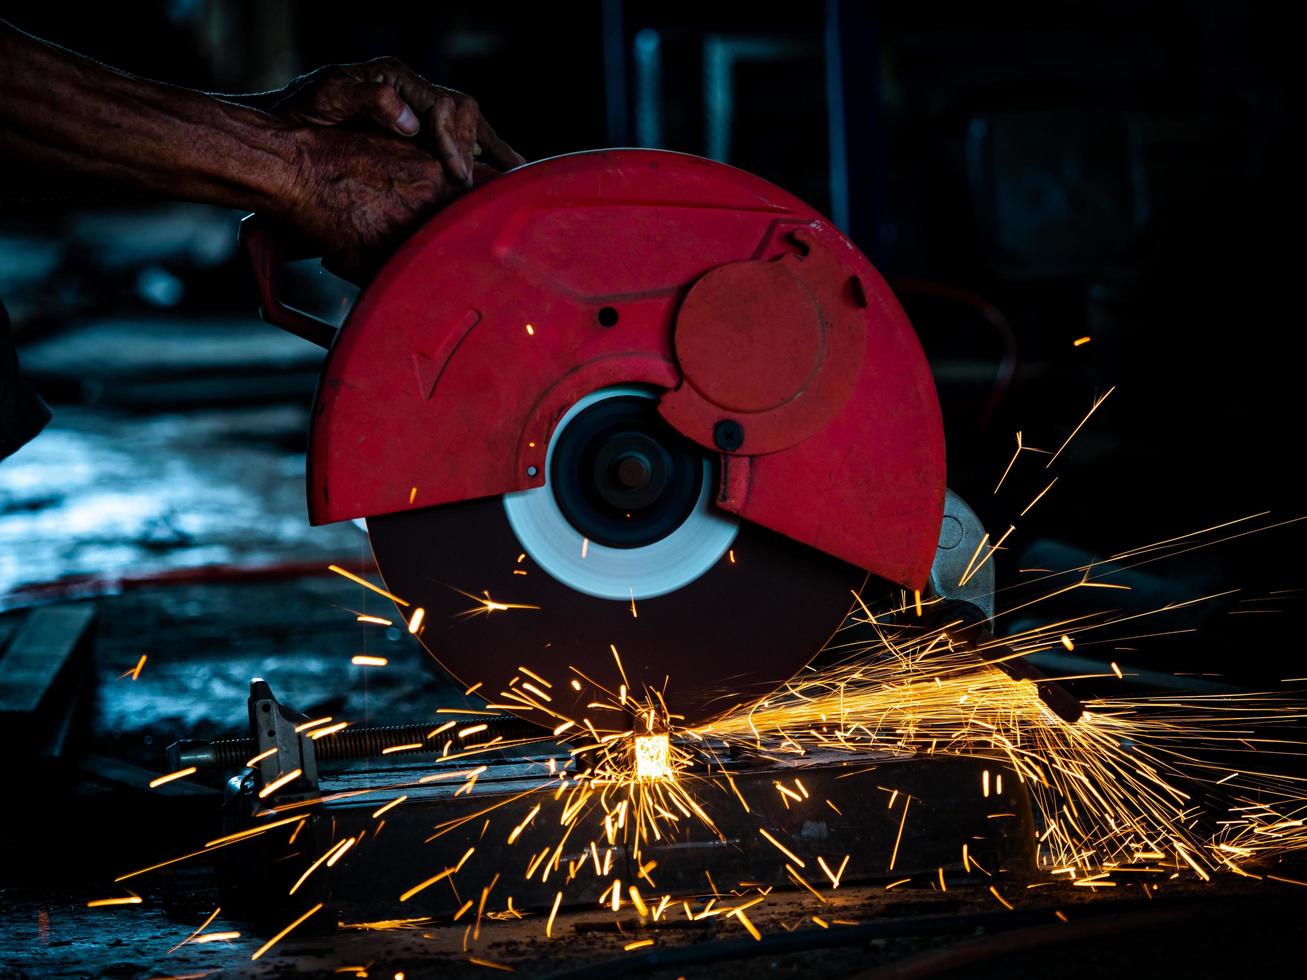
point(553, 912)
point(363, 660)
point(517, 831)
point(179, 774)
point(1080, 342)
point(1008, 469)
point(242, 835)
point(318, 733)
point(781, 847)
point(653, 756)
point(744, 921)
point(970, 572)
point(530, 330)
point(326, 858)
point(907, 800)
point(302, 726)
point(538, 692)
point(535, 677)
point(96, 903)
point(407, 747)
point(487, 605)
point(216, 937)
point(1094, 408)
point(135, 672)
point(1288, 881)
point(638, 944)
point(203, 925)
point(1038, 497)
point(367, 585)
point(415, 621)
point(362, 618)
point(285, 932)
point(490, 964)
point(389, 806)
point(423, 885)
point(279, 782)
point(1112, 792)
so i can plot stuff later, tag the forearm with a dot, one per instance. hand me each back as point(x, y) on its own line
point(64, 113)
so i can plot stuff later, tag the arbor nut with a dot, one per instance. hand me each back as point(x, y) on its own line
point(728, 434)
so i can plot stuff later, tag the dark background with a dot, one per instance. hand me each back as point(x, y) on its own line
point(1025, 174)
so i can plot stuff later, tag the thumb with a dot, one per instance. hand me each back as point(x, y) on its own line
point(390, 110)
point(378, 103)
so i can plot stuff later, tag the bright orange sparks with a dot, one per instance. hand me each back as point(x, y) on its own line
point(285, 932)
point(415, 622)
point(366, 584)
point(179, 774)
point(279, 782)
point(102, 902)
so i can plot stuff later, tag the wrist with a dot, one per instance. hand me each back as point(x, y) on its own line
point(261, 162)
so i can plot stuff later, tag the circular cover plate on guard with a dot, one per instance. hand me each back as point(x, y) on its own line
point(728, 638)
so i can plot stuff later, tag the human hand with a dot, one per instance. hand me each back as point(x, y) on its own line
point(387, 94)
point(353, 197)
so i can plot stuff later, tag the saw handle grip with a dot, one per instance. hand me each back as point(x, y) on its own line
point(268, 252)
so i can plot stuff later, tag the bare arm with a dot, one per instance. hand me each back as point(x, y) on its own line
point(65, 113)
point(354, 195)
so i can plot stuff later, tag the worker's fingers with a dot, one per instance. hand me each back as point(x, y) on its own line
point(382, 105)
point(441, 121)
point(467, 115)
point(494, 150)
point(450, 119)
point(343, 97)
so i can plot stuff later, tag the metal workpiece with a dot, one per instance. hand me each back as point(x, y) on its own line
point(280, 731)
point(937, 808)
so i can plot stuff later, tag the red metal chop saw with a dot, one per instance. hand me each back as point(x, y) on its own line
point(629, 398)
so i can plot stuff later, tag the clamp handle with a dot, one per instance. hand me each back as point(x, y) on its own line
point(268, 251)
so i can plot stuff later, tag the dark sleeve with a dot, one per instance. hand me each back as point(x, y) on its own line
point(22, 413)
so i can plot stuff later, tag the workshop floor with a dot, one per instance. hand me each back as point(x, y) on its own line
point(870, 933)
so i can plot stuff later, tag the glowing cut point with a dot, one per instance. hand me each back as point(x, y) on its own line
point(653, 756)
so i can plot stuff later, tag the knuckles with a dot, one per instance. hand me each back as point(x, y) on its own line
point(388, 64)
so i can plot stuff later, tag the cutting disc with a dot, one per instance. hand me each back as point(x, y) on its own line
point(620, 549)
